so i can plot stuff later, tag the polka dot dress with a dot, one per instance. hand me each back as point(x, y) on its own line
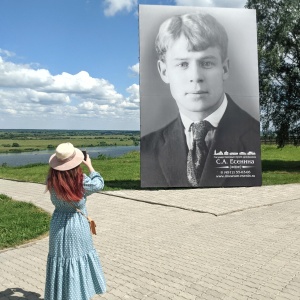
point(74, 269)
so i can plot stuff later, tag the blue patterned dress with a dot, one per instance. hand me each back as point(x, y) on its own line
point(74, 270)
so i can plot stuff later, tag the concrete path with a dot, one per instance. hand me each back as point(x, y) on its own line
point(233, 243)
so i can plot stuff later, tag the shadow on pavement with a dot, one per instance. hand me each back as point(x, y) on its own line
point(17, 293)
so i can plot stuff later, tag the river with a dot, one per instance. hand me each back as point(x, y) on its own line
point(25, 158)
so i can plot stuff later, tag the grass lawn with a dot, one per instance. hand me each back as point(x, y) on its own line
point(119, 173)
point(20, 222)
point(280, 166)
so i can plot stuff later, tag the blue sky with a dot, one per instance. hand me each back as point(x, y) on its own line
point(73, 64)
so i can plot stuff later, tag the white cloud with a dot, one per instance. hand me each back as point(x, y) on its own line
point(132, 102)
point(112, 7)
point(26, 92)
point(89, 105)
point(135, 68)
point(6, 53)
point(22, 75)
point(133, 90)
point(83, 86)
point(10, 111)
point(115, 6)
point(91, 109)
point(212, 3)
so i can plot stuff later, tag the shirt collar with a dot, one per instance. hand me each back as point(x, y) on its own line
point(214, 118)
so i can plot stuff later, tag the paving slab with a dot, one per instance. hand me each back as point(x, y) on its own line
point(164, 251)
point(217, 201)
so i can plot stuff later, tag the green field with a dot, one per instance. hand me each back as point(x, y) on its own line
point(35, 140)
point(280, 166)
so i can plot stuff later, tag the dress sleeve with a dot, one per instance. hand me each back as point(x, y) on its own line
point(93, 183)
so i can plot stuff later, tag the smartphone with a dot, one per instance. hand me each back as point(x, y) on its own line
point(84, 154)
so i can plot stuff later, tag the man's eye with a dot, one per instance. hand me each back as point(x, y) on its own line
point(207, 64)
point(183, 65)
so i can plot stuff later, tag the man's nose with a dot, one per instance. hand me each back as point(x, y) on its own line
point(196, 74)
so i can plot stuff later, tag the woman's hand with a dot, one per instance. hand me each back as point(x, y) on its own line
point(88, 163)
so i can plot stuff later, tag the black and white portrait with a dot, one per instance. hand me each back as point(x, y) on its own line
point(199, 97)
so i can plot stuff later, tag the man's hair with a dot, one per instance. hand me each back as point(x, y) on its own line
point(201, 31)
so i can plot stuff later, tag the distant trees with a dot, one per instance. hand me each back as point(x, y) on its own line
point(279, 67)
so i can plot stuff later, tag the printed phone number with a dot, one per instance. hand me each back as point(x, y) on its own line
point(236, 172)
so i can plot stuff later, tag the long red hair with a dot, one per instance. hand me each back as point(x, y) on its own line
point(68, 185)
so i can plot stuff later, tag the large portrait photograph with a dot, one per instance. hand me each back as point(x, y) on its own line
point(199, 97)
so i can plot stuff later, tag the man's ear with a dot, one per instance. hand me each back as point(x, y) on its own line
point(226, 68)
point(162, 69)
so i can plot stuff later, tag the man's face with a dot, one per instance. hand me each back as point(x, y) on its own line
point(196, 78)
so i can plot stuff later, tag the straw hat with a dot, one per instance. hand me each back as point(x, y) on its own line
point(66, 157)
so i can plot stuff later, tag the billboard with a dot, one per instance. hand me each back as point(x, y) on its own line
point(199, 97)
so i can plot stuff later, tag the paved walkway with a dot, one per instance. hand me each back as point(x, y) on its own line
point(233, 243)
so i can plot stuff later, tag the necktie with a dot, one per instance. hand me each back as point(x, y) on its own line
point(197, 155)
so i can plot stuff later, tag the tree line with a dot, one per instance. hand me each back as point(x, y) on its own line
point(278, 31)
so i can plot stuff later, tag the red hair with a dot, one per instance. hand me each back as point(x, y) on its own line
point(68, 185)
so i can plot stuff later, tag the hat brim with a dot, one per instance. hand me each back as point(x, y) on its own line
point(68, 165)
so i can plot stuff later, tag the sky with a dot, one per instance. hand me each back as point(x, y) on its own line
point(73, 64)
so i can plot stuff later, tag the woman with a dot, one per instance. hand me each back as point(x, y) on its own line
point(74, 270)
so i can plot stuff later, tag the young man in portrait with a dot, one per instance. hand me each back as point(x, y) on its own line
point(212, 142)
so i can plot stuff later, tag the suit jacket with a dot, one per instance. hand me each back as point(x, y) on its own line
point(164, 153)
